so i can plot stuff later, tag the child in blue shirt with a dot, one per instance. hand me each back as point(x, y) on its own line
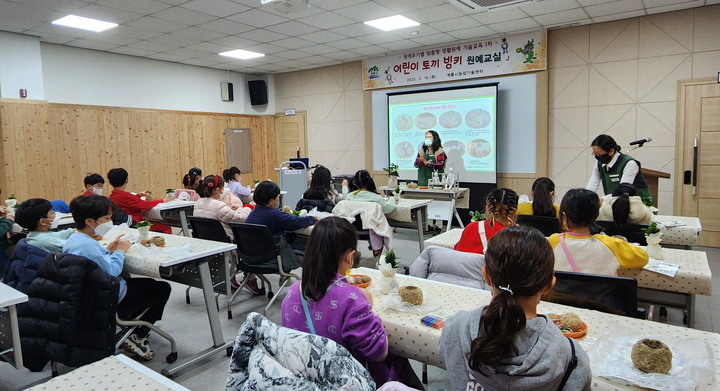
point(36, 215)
point(93, 216)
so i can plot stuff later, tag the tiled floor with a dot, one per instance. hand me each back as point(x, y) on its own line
point(188, 324)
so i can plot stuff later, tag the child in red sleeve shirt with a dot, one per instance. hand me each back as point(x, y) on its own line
point(500, 210)
point(94, 184)
point(132, 204)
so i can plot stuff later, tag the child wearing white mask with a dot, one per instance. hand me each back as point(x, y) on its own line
point(214, 205)
point(93, 216)
point(94, 184)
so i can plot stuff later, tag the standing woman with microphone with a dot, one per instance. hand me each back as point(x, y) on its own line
point(431, 157)
point(614, 167)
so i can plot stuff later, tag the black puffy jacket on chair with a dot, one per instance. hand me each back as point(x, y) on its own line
point(321, 205)
point(70, 314)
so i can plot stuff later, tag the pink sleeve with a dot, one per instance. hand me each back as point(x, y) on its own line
point(363, 331)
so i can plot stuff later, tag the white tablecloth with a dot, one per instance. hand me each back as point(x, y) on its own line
point(403, 209)
point(684, 235)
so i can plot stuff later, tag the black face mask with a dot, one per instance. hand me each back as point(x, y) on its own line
point(604, 159)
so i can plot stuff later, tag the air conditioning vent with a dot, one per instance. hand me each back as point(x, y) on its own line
point(471, 6)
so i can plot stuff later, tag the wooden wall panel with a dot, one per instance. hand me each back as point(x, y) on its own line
point(47, 149)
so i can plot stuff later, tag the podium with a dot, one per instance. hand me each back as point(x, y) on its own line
point(651, 177)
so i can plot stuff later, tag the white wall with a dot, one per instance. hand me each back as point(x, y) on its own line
point(20, 66)
point(88, 77)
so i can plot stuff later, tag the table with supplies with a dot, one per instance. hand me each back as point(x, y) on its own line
point(446, 239)
point(681, 235)
point(410, 213)
point(111, 373)
point(445, 202)
point(165, 213)
point(10, 349)
point(157, 263)
point(408, 337)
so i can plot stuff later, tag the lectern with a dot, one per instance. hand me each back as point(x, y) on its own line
point(651, 177)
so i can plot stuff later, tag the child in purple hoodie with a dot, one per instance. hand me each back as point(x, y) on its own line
point(323, 303)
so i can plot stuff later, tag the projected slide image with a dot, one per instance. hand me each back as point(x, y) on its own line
point(403, 122)
point(425, 121)
point(477, 119)
point(479, 148)
point(450, 119)
point(405, 150)
point(455, 147)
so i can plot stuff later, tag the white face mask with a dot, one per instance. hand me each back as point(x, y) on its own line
point(97, 191)
point(103, 228)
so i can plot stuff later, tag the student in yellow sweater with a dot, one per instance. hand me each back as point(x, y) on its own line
point(583, 248)
point(543, 203)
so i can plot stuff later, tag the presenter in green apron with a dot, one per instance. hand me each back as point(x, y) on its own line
point(431, 157)
point(614, 168)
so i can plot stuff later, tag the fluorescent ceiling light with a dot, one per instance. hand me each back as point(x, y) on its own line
point(392, 23)
point(241, 54)
point(79, 22)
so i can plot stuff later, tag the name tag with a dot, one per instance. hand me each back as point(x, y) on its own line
point(614, 177)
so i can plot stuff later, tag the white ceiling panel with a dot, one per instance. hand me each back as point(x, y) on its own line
point(132, 51)
point(349, 43)
point(210, 47)
point(257, 18)
point(198, 62)
point(175, 40)
point(365, 11)
point(326, 20)
point(109, 37)
point(514, 25)
point(434, 14)
point(199, 34)
point(546, 7)
point(262, 35)
point(184, 16)
point(290, 54)
point(226, 27)
point(401, 45)
point(379, 38)
point(234, 42)
point(462, 22)
point(168, 57)
point(219, 8)
point(93, 45)
point(370, 50)
point(475, 33)
point(107, 14)
point(558, 18)
point(322, 36)
point(135, 32)
point(293, 28)
point(354, 30)
point(402, 6)
point(152, 46)
point(335, 4)
point(17, 23)
point(434, 39)
point(145, 7)
point(341, 55)
point(264, 48)
point(66, 6)
point(185, 52)
point(503, 15)
point(155, 24)
point(616, 7)
point(318, 49)
point(293, 43)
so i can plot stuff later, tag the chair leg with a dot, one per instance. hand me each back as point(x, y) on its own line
point(237, 291)
point(283, 282)
point(53, 368)
point(187, 295)
point(424, 374)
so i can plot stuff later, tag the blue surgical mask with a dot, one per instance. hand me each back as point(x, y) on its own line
point(428, 142)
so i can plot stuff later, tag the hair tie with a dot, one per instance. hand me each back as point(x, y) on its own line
point(506, 289)
point(626, 194)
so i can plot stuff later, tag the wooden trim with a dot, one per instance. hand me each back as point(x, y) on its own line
point(367, 103)
point(515, 175)
point(659, 174)
point(542, 134)
point(28, 101)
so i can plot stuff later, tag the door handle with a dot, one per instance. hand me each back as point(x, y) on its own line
point(695, 167)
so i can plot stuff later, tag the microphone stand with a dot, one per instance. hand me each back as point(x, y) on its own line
point(639, 145)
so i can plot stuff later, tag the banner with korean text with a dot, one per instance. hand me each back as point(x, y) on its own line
point(479, 58)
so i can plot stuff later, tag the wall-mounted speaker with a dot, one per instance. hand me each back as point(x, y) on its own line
point(226, 91)
point(258, 92)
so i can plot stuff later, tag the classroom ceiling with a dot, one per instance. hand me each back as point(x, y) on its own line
point(329, 32)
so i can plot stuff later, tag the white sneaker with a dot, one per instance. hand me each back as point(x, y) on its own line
point(140, 346)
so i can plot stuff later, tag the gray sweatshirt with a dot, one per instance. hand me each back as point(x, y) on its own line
point(540, 357)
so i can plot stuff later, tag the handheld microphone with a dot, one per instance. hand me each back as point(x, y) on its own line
point(641, 142)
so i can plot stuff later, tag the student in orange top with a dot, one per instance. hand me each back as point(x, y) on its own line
point(94, 184)
point(500, 210)
point(132, 204)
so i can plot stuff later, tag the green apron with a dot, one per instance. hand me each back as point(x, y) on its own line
point(612, 177)
point(425, 172)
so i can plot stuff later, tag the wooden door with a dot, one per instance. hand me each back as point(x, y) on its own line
point(291, 135)
point(699, 125)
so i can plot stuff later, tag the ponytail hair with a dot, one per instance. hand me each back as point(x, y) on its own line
point(519, 262)
point(621, 205)
point(501, 202)
point(192, 178)
point(542, 198)
point(206, 186)
point(229, 174)
point(581, 207)
point(363, 181)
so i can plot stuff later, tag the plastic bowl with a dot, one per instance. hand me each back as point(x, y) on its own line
point(578, 334)
point(365, 285)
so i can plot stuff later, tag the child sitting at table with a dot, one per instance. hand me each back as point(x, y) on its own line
point(362, 188)
point(267, 198)
point(36, 215)
point(583, 248)
point(93, 184)
point(325, 304)
point(543, 195)
point(506, 345)
point(232, 182)
point(500, 211)
point(132, 204)
point(92, 214)
point(192, 178)
point(320, 194)
point(624, 207)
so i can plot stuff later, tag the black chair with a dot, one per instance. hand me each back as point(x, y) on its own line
point(259, 255)
point(597, 292)
point(546, 225)
point(633, 232)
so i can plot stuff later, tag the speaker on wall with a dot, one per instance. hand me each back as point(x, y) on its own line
point(258, 92)
point(226, 91)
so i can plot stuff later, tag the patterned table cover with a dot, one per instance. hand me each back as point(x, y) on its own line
point(156, 212)
point(693, 277)
point(407, 337)
point(403, 209)
point(461, 194)
point(110, 373)
point(685, 235)
point(149, 265)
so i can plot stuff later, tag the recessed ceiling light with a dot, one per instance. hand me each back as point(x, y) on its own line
point(79, 22)
point(241, 54)
point(392, 23)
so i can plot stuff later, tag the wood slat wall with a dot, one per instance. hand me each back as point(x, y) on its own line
point(47, 149)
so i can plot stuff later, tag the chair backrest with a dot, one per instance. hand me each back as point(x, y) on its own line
point(619, 293)
point(546, 225)
point(120, 217)
point(633, 232)
point(255, 243)
point(208, 229)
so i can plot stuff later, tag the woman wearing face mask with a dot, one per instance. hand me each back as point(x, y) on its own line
point(430, 158)
point(92, 214)
point(613, 168)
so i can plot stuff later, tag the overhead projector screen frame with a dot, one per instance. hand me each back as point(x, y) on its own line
point(468, 144)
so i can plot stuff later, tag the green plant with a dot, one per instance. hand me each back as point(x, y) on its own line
point(12, 197)
point(391, 258)
point(651, 229)
point(169, 190)
point(648, 201)
point(143, 223)
point(295, 213)
point(255, 181)
point(477, 216)
point(392, 169)
point(397, 190)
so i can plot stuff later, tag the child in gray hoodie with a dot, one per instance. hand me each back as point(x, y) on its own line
point(507, 345)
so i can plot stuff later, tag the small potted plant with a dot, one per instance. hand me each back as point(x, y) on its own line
point(396, 193)
point(170, 192)
point(143, 227)
point(393, 174)
point(653, 234)
point(388, 265)
point(647, 201)
point(477, 216)
point(11, 201)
